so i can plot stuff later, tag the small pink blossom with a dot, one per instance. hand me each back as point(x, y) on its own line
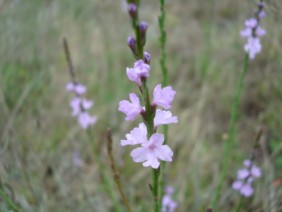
point(260, 31)
point(137, 136)
point(168, 204)
point(247, 190)
point(255, 171)
point(76, 88)
point(237, 185)
point(251, 23)
point(164, 117)
point(85, 120)
point(163, 96)
point(253, 47)
point(130, 109)
point(140, 69)
point(152, 151)
point(247, 163)
point(243, 173)
point(75, 106)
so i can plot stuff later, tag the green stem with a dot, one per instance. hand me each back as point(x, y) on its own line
point(231, 130)
point(106, 180)
point(8, 201)
point(239, 205)
point(163, 43)
point(162, 40)
point(149, 121)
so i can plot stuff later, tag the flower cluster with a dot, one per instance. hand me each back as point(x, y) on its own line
point(168, 204)
point(152, 149)
point(253, 31)
point(245, 178)
point(80, 105)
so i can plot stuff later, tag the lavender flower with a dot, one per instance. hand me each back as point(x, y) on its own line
point(245, 178)
point(80, 105)
point(253, 31)
point(168, 204)
point(152, 151)
point(140, 69)
point(163, 96)
point(164, 117)
point(131, 110)
point(137, 136)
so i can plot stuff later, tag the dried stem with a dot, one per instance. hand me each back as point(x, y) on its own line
point(68, 58)
point(114, 170)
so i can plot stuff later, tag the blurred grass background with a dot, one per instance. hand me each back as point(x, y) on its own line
point(38, 136)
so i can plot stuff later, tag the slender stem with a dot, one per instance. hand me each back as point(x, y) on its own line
point(231, 130)
point(150, 127)
point(106, 181)
point(239, 205)
point(8, 201)
point(162, 40)
point(114, 170)
point(68, 58)
point(163, 43)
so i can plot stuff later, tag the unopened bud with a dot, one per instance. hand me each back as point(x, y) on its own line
point(143, 26)
point(147, 57)
point(132, 44)
point(132, 10)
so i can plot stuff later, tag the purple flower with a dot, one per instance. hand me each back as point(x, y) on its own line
point(85, 120)
point(76, 88)
point(245, 178)
point(247, 190)
point(140, 69)
point(247, 163)
point(78, 105)
point(168, 204)
point(131, 110)
point(253, 47)
point(242, 174)
point(137, 136)
point(152, 151)
point(164, 117)
point(75, 106)
point(251, 23)
point(255, 171)
point(252, 32)
point(163, 96)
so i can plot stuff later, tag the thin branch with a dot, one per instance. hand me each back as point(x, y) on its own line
point(114, 169)
point(68, 58)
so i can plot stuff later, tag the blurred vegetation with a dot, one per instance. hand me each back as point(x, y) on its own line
point(205, 53)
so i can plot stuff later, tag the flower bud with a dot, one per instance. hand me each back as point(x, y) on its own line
point(132, 10)
point(147, 57)
point(132, 44)
point(143, 26)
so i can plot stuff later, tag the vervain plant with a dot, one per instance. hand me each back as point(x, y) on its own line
point(80, 107)
point(252, 32)
point(152, 149)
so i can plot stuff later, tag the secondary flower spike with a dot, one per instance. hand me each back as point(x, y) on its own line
point(80, 105)
point(163, 96)
point(168, 204)
point(245, 178)
point(253, 31)
point(130, 109)
point(152, 151)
